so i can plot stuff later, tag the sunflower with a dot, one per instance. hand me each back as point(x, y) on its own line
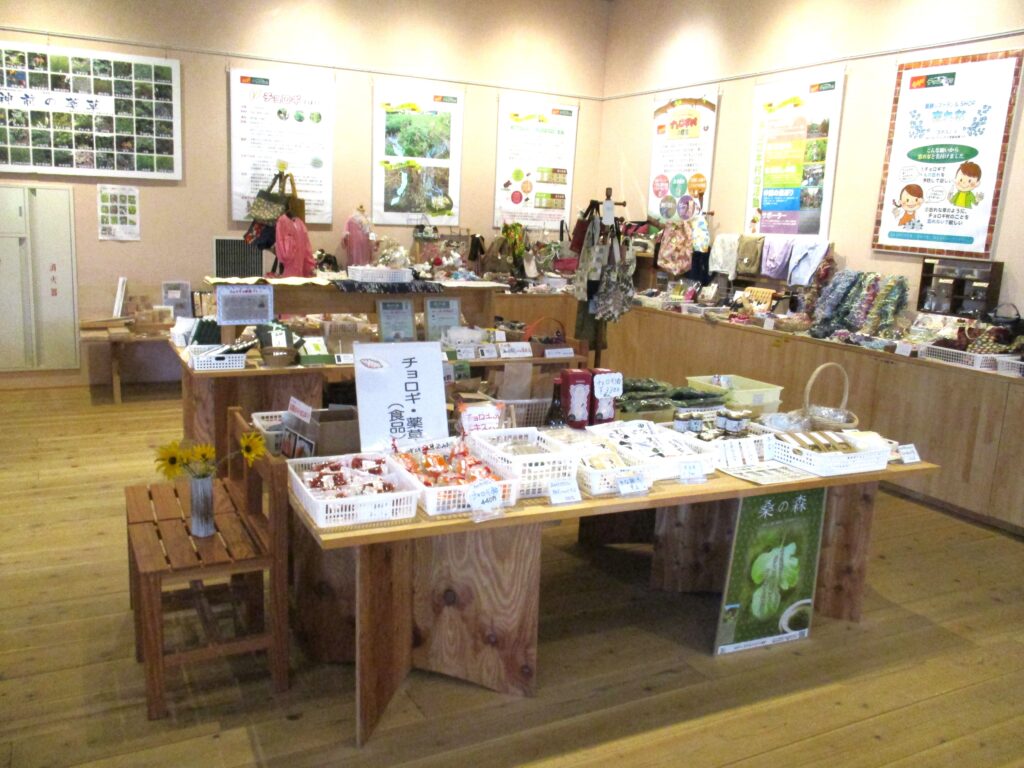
point(253, 446)
point(203, 452)
point(170, 460)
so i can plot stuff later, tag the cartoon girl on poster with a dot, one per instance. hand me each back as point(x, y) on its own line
point(905, 209)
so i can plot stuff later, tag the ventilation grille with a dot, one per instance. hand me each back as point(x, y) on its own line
point(234, 258)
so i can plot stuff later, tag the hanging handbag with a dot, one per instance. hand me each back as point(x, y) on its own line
point(675, 252)
point(615, 293)
point(566, 260)
point(260, 235)
point(296, 205)
point(748, 254)
point(269, 205)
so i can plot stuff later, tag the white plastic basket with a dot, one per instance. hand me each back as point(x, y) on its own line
point(604, 482)
point(269, 424)
point(200, 359)
point(963, 359)
point(450, 500)
point(666, 468)
point(1010, 366)
point(534, 471)
point(372, 509)
point(530, 413)
point(757, 436)
point(379, 275)
point(828, 464)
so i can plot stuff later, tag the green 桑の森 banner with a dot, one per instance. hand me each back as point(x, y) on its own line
point(769, 590)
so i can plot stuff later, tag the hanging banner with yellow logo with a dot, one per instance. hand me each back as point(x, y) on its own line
point(682, 153)
point(793, 153)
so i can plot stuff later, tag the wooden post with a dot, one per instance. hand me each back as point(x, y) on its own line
point(476, 602)
point(152, 643)
point(843, 563)
point(692, 543)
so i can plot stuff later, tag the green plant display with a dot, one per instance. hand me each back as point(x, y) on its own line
point(775, 571)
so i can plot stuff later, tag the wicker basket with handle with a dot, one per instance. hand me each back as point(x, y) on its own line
point(823, 416)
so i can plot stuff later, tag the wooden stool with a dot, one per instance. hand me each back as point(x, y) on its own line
point(162, 552)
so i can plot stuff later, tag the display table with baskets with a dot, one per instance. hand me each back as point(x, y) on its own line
point(461, 598)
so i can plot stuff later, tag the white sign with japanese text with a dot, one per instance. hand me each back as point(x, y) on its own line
point(400, 391)
point(282, 116)
point(89, 113)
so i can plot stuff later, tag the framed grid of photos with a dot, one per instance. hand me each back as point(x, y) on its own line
point(89, 113)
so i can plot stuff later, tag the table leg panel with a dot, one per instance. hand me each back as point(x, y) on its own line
point(843, 562)
point(617, 528)
point(383, 629)
point(692, 544)
point(476, 602)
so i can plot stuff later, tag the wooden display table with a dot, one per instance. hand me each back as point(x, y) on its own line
point(118, 339)
point(462, 598)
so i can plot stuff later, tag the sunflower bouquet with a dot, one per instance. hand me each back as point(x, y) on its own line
point(179, 458)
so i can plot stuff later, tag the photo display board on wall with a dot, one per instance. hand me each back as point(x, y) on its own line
point(89, 113)
point(793, 153)
point(682, 153)
point(948, 138)
point(282, 116)
point(536, 155)
point(417, 152)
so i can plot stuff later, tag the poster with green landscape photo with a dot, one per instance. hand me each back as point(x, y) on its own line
point(769, 590)
point(88, 113)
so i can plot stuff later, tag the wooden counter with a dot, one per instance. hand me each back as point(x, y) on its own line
point(965, 420)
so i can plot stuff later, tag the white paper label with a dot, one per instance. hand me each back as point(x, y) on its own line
point(278, 338)
point(499, 336)
point(300, 410)
point(607, 385)
point(908, 454)
point(449, 372)
point(465, 352)
point(904, 348)
point(564, 491)
point(560, 352)
point(691, 471)
point(478, 417)
point(487, 352)
point(748, 451)
point(769, 323)
point(483, 495)
point(343, 359)
point(632, 482)
point(515, 349)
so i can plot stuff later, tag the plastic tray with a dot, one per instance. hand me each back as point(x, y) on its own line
point(379, 275)
point(450, 500)
point(828, 464)
point(963, 359)
point(269, 424)
point(757, 435)
point(741, 390)
point(199, 359)
point(530, 413)
point(534, 471)
point(1010, 366)
point(377, 509)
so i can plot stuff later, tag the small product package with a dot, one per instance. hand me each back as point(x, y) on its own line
point(602, 409)
point(576, 393)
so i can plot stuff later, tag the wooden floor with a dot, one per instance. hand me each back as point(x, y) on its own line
point(933, 675)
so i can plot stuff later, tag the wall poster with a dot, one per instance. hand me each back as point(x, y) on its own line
point(769, 590)
point(948, 139)
point(793, 152)
point(417, 152)
point(536, 154)
point(682, 153)
point(118, 212)
point(282, 117)
point(89, 113)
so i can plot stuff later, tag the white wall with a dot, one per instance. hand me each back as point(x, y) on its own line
point(693, 43)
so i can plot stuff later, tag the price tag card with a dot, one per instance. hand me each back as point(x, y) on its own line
point(564, 491)
point(908, 454)
point(483, 496)
point(278, 338)
point(769, 323)
point(607, 385)
point(300, 410)
point(449, 372)
point(499, 336)
point(465, 352)
point(487, 352)
point(515, 349)
point(749, 452)
point(732, 454)
point(904, 348)
point(691, 471)
point(560, 352)
point(343, 359)
point(632, 482)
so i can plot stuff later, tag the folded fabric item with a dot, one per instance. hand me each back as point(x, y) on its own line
point(775, 256)
point(806, 257)
point(748, 254)
point(723, 254)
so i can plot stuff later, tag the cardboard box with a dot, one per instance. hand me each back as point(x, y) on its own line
point(330, 432)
